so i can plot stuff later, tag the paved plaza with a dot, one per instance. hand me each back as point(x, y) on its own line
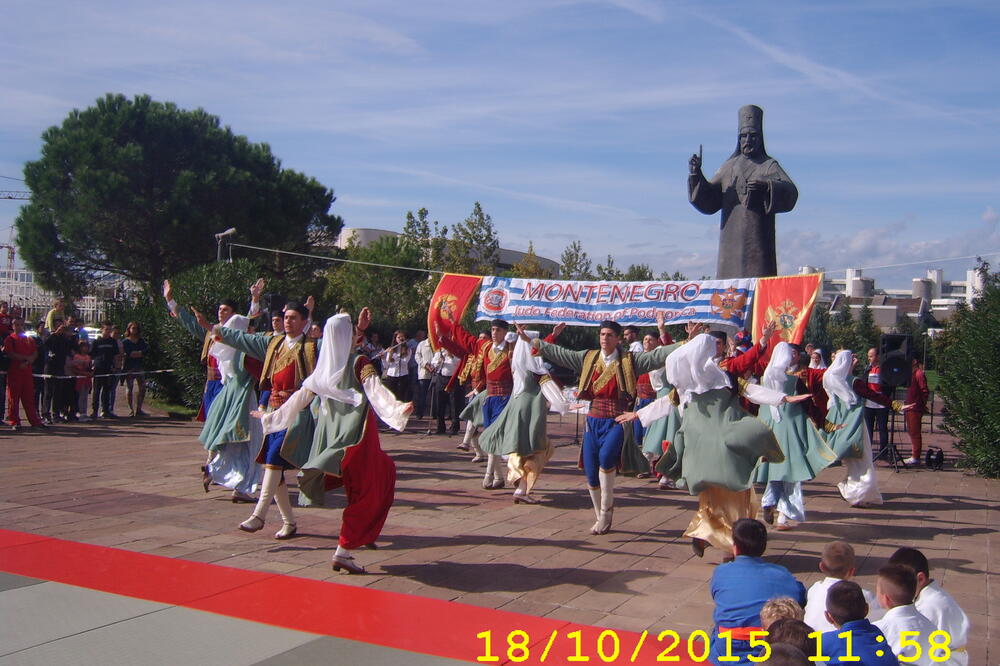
point(134, 485)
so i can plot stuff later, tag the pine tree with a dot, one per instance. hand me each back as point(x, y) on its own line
point(574, 264)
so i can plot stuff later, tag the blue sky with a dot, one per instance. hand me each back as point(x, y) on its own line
point(567, 119)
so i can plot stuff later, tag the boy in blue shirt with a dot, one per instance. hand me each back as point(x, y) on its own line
point(847, 609)
point(741, 588)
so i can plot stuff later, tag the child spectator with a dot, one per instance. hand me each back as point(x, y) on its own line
point(80, 366)
point(935, 604)
point(846, 611)
point(790, 631)
point(780, 608)
point(783, 654)
point(896, 589)
point(741, 588)
point(838, 564)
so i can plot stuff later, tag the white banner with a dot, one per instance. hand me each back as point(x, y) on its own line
point(532, 301)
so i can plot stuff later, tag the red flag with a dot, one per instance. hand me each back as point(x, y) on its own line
point(448, 304)
point(787, 300)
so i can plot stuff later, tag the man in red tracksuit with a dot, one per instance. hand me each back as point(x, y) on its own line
point(22, 351)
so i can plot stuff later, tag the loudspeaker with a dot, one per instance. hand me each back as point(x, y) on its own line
point(894, 342)
point(895, 366)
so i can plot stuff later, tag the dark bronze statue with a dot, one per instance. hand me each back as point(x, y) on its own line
point(750, 188)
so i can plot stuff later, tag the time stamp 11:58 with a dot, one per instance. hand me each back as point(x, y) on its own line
point(607, 647)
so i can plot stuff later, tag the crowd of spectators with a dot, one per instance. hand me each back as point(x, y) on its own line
point(70, 374)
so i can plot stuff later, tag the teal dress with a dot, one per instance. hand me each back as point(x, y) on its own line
point(661, 430)
point(473, 411)
point(806, 452)
point(521, 426)
point(718, 444)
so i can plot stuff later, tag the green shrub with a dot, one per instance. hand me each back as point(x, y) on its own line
point(968, 355)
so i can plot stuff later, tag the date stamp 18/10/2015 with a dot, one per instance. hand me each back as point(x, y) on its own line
point(608, 648)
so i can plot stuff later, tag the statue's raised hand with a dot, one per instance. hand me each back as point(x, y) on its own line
point(694, 164)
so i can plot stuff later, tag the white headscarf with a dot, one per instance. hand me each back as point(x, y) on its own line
point(777, 372)
point(692, 369)
point(821, 363)
point(338, 340)
point(835, 379)
point(522, 362)
point(224, 355)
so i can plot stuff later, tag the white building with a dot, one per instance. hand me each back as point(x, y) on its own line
point(930, 296)
point(18, 288)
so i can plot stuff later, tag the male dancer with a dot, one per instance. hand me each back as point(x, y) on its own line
point(608, 381)
point(491, 359)
point(288, 360)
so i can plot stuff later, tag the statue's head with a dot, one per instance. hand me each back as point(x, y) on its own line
point(751, 123)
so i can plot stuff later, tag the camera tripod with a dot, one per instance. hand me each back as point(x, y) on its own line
point(888, 450)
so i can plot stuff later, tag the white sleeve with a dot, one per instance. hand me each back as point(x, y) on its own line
point(254, 309)
point(390, 410)
point(760, 395)
point(172, 306)
point(656, 410)
point(557, 403)
point(283, 417)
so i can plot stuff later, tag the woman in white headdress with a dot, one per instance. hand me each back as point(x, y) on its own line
point(816, 359)
point(806, 452)
point(846, 431)
point(346, 394)
point(718, 445)
point(520, 431)
point(231, 437)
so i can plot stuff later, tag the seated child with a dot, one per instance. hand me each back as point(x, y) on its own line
point(792, 632)
point(837, 562)
point(935, 604)
point(846, 611)
point(780, 608)
point(741, 588)
point(896, 589)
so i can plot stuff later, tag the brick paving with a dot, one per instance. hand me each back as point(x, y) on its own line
point(135, 485)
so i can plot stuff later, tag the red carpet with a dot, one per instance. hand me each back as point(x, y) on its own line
point(403, 621)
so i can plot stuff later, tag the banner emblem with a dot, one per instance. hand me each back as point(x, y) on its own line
point(729, 301)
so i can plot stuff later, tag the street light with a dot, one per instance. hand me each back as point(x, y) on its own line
point(219, 239)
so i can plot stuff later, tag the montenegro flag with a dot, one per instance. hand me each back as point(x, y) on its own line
point(448, 304)
point(787, 300)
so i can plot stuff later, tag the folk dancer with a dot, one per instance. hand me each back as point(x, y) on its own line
point(719, 444)
point(213, 380)
point(230, 435)
point(608, 381)
point(845, 429)
point(492, 356)
point(806, 452)
point(345, 446)
point(520, 433)
point(288, 359)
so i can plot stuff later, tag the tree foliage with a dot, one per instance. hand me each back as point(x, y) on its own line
point(391, 293)
point(138, 187)
point(868, 334)
point(968, 355)
point(473, 247)
point(530, 266)
point(575, 264)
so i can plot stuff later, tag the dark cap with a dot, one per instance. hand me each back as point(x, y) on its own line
point(500, 323)
point(718, 335)
point(613, 325)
